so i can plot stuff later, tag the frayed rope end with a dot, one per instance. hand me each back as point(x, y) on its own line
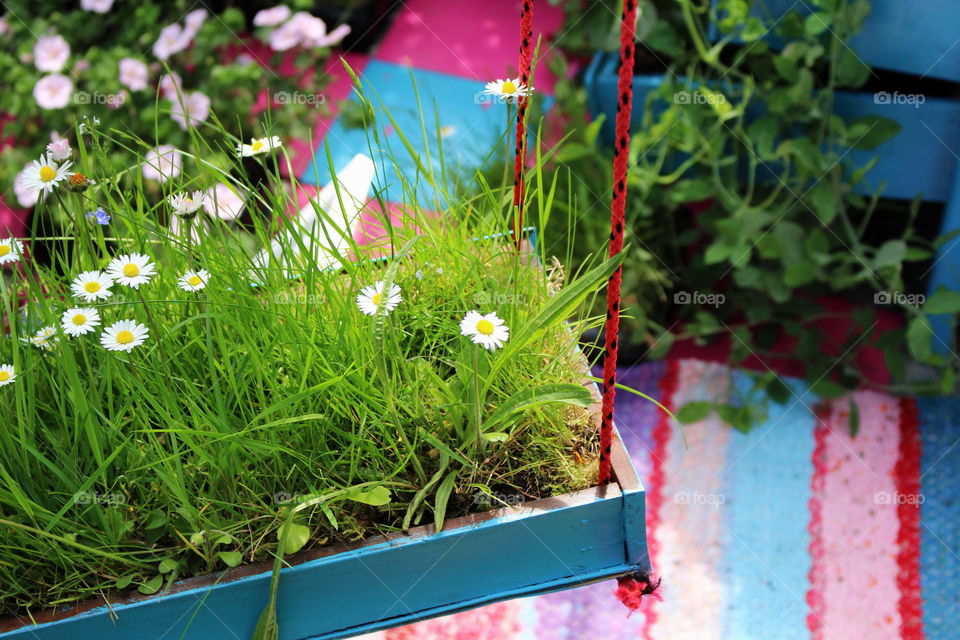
point(632, 588)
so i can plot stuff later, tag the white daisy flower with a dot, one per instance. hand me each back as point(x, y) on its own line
point(44, 338)
point(487, 330)
point(258, 146)
point(7, 374)
point(372, 298)
point(508, 90)
point(79, 321)
point(187, 204)
point(124, 336)
point(132, 270)
point(44, 174)
point(92, 286)
point(194, 280)
point(10, 250)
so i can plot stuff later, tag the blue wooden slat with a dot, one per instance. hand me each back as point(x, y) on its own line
point(396, 582)
point(919, 160)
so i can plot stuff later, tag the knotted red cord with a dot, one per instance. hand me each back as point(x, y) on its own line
point(620, 153)
point(526, 61)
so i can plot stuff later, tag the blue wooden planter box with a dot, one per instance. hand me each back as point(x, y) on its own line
point(919, 38)
point(537, 547)
point(920, 159)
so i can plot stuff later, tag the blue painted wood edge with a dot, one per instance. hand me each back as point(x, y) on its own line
point(547, 545)
point(536, 590)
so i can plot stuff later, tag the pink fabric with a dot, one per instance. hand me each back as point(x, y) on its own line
point(13, 222)
point(477, 40)
point(690, 530)
point(494, 622)
point(854, 591)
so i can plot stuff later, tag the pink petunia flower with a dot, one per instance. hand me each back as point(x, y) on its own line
point(50, 53)
point(194, 108)
point(133, 74)
point(272, 17)
point(59, 149)
point(53, 91)
point(26, 196)
point(172, 40)
point(223, 202)
point(97, 6)
point(171, 85)
point(162, 163)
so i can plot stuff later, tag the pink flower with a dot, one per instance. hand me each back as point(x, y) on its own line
point(285, 37)
point(59, 149)
point(50, 53)
point(271, 17)
point(162, 163)
point(26, 196)
point(172, 40)
point(333, 38)
point(171, 85)
point(223, 202)
point(53, 91)
point(194, 21)
point(97, 6)
point(116, 100)
point(311, 28)
point(133, 74)
point(194, 107)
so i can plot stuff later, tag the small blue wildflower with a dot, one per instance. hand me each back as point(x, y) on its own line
point(99, 216)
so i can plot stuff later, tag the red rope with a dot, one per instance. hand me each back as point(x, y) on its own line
point(621, 147)
point(526, 61)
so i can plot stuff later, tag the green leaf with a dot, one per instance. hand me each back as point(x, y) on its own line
point(376, 496)
point(778, 390)
point(442, 498)
point(816, 23)
point(918, 337)
point(891, 253)
point(786, 67)
point(942, 301)
point(869, 132)
point(167, 565)
point(565, 393)
point(827, 389)
point(230, 558)
point(694, 411)
point(824, 202)
point(293, 536)
point(152, 586)
point(124, 581)
point(496, 436)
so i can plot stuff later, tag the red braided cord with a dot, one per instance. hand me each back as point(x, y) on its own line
point(526, 61)
point(622, 144)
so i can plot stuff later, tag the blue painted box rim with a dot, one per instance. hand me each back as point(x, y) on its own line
point(610, 535)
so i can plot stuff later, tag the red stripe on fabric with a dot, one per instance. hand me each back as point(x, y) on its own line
point(661, 440)
point(907, 476)
point(628, 28)
point(815, 592)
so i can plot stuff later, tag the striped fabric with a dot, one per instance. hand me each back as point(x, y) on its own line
point(794, 531)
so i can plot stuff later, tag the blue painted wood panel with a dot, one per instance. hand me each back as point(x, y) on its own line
point(396, 582)
point(919, 160)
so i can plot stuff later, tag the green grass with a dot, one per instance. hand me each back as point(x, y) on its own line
point(268, 396)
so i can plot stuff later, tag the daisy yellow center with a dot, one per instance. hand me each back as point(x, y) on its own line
point(256, 145)
point(131, 270)
point(4, 376)
point(377, 297)
point(4, 250)
point(124, 337)
point(485, 327)
point(91, 287)
point(47, 173)
point(79, 319)
point(508, 87)
point(194, 280)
